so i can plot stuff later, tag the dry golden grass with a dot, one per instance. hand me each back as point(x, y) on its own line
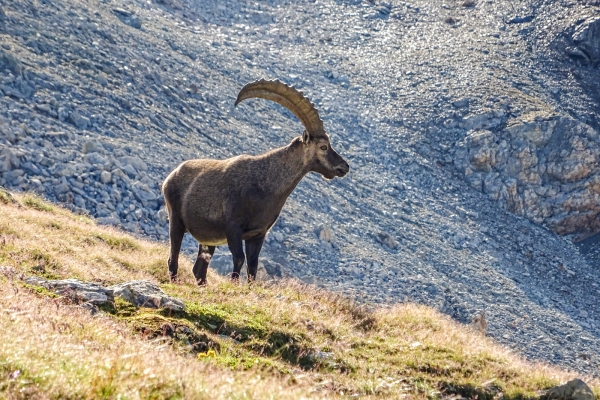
point(271, 340)
point(48, 350)
point(46, 240)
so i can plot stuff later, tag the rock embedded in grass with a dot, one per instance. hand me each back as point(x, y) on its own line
point(575, 389)
point(75, 289)
point(138, 293)
point(146, 294)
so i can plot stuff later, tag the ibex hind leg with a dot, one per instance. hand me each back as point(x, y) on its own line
point(205, 253)
point(176, 232)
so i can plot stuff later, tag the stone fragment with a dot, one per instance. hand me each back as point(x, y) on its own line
point(11, 176)
point(102, 79)
point(325, 234)
point(5, 164)
point(134, 161)
point(520, 19)
point(128, 18)
point(274, 269)
point(61, 188)
point(92, 147)
point(95, 159)
point(142, 192)
point(462, 103)
point(387, 240)
point(586, 38)
point(146, 294)
point(79, 120)
point(108, 221)
point(8, 159)
point(9, 61)
point(278, 236)
point(162, 215)
point(575, 389)
point(105, 177)
point(75, 289)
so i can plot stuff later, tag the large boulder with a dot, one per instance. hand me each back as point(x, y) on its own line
point(586, 41)
point(75, 289)
point(572, 390)
point(146, 294)
point(138, 293)
point(546, 169)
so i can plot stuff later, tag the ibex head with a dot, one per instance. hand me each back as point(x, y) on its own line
point(319, 156)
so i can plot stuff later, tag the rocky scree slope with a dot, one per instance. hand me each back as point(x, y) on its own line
point(430, 102)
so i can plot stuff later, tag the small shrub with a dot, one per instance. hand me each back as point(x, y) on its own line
point(6, 197)
point(119, 243)
point(54, 225)
point(37, 204)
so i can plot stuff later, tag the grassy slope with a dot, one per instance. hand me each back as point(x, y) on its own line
point(276, 340)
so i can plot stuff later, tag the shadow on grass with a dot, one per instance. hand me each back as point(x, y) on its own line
point(187, 328)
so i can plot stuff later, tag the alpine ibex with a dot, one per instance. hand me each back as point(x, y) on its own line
point(239, 199)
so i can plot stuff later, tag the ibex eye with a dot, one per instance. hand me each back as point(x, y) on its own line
point(323, 147)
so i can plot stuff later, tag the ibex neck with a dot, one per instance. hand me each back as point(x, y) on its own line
point(284, 168)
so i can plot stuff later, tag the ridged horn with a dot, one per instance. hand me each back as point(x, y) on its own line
point(287, 96)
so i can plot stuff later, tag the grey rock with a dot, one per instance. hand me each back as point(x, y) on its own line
point(487, 120)
point(5, 164)
point(108, 221)
point(95, 159)
point(8, 61)
point(526, 166)
point(130, 171)
point(63, 114)
point(92, 147)
point(325, 234)
point(79, 120)
point(8, 159)
point(75, 289)
point(102, 79)
point(128, 18)
point(133, 161)
point(278, 236)
point(162, 215)
point(146, 294)
point(11, 176)
point(105, 177)
point(575, 389)
point(462, 103)
point(387, 240)
point(142, 192)
point(520, 19)
point(138, 293)
point(274, 269)
point(61, 188)
point(586, 38)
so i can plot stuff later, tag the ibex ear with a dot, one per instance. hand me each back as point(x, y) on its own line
point(305, 137)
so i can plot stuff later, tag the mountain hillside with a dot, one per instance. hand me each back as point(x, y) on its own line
point(471, 129)
point(269, 340)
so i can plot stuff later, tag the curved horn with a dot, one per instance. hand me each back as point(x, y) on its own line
point(287, 96)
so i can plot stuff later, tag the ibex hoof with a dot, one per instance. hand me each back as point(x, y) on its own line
point(201, 282)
